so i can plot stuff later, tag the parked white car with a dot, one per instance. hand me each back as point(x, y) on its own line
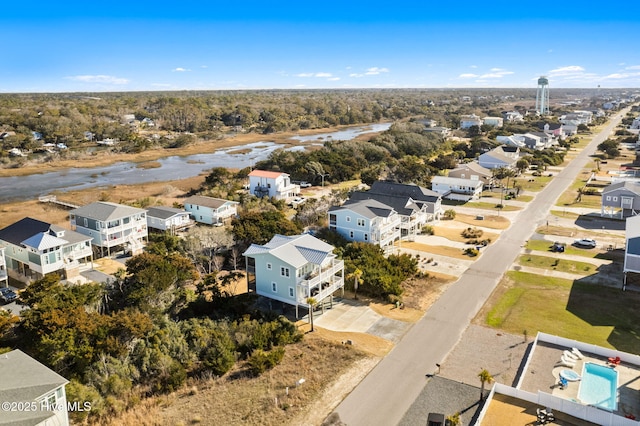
point(585, 242)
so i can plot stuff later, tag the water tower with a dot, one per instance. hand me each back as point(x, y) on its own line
point(542, 96)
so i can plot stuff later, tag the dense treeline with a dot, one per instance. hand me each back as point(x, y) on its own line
point(145, 333)
point(64, 118)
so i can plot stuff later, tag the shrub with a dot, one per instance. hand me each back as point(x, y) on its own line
point(472, 233)
point(449, 214)
point(428, 230)
point(471, 252)
point(261, 361)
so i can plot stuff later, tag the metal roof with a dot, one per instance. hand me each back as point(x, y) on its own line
point(163, 212)
point(102, 210)
point(43, 241)
point(296, 250)
point(367, 208)
point(201, 200)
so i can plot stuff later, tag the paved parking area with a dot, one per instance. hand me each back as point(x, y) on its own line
point(349, 315)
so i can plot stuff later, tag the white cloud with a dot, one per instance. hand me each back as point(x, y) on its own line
point(106, 79)
point(468, 75)
point(376, 70)
point(180, 69)
point(317, 74)
point(333, 79)
point(496, 73)
point(473, 66)
point(633, 67)
point(355, 75)
point(204, 66)
point(569, 70)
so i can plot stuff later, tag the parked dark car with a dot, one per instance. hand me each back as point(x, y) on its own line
point(558, 247)
point(7, 295)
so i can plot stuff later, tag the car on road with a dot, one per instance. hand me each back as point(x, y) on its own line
point(585, 242)
point(7, 295)
point(304, 184)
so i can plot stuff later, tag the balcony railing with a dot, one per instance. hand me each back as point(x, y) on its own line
point(323, 284)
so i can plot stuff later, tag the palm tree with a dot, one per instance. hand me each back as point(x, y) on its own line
point(356, 275)
point(311, 302)
point(485, 377)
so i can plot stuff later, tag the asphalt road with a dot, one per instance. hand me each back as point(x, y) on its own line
point(390, 388)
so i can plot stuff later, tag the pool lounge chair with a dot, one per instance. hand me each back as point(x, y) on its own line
point(577, 353)
point(570, 355)
point(614, 361)
point(567, 362)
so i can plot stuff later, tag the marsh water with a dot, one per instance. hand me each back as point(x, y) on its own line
point(171, 168)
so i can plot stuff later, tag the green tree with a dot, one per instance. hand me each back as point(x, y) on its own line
point(311, 302)
point(259, 227)
point(485, 377)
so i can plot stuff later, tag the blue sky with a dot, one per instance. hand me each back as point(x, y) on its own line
point(211, 45)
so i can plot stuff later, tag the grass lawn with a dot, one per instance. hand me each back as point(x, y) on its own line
point(599, 315)
point(543, 245)
point(557, 264)
point(536, 185)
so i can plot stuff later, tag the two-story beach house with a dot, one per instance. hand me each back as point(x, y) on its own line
point(111, 226)
point(169, 219)
point(209, 210)
point(278, 185)
point(620, 199)
point(33, 249)
point(473, 171)
point(38, 391)
point(367, 221)
point(501, 156)
point(632, 246)
point(467, 121)
point(415, 205)
point(291, 269)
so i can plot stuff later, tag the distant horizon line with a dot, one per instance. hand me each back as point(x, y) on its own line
point(597, 89)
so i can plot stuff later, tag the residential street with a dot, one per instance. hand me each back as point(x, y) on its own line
point(388, 391)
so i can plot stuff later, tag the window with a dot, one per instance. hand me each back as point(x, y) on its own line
point(615, 198)
point(274, 287)
point(360, 222)
point(608, 197)
point(269, 266)
point(291, 294)
point(366, 237)
point(86, 222)
point(284, 271)
point(348, 218)
point(350, 234)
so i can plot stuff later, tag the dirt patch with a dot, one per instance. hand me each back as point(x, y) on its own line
point(441, 250)
point(421, 293)
point(489, 221)
point(107, 265)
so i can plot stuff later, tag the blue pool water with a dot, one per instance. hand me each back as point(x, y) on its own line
point(599, 386)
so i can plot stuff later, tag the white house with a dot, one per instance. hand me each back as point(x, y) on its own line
point(210, 210)
point(367, 221)
point(636, 123)
point(501, 156)
point(467, 121)
point(513, 116)
point(493, 121)
point(264, 183)
point(457, 188)
point(415, 205)
point(473, 171)
point(111, 225)
point(33, 249)
point(295, 268)
point(28, 383)
point(167, 218)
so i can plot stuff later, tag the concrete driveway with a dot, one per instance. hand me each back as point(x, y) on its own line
point(350, 315)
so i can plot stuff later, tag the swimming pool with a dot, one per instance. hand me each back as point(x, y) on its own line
point(599, 386)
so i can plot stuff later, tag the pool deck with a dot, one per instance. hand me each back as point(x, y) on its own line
point(544, 372)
